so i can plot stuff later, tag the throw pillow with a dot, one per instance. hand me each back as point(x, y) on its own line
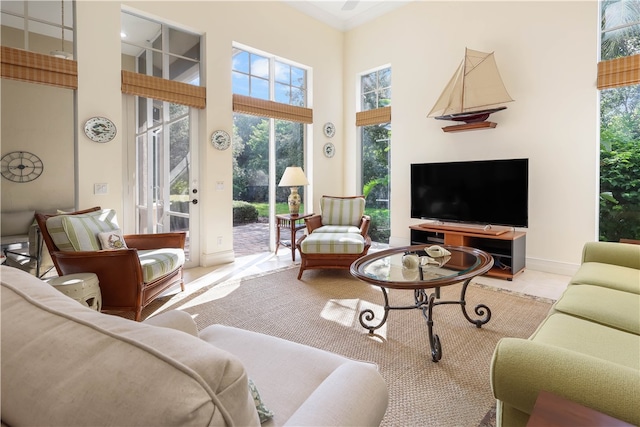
point(112, 240)
point(264, 413)
point(82, 230)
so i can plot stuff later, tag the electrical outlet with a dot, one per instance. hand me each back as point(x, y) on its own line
point(220, 186)
point(219, 240)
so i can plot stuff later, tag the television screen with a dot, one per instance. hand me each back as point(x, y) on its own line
point(490, 192)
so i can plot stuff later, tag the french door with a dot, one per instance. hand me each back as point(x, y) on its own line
point(166, 183)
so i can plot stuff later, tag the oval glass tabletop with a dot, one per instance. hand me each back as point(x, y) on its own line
point(410, 267)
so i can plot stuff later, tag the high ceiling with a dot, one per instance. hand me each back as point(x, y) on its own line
point(346, 14)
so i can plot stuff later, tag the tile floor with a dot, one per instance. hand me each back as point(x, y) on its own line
point(531, 282)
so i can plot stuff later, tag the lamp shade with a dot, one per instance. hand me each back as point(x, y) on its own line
point(293, 176)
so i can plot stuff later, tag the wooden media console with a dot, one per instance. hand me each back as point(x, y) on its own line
point(507, 247)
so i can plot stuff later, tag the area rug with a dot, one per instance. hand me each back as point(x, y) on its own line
point(322, 311)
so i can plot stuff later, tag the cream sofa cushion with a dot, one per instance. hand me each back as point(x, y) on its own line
point(328, 390)
point(65, 364)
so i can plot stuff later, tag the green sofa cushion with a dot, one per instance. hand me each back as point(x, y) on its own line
point(589, 338)
point(610, 307)
point(609, 276)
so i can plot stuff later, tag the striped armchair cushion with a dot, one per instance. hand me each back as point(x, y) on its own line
point(337, 229)
point(333, 243)
point(158, 262)
point(80, 232)
point(338, 211)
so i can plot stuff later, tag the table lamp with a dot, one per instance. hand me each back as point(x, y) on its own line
point(293, 177)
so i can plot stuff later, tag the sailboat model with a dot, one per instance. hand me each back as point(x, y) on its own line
point(474, 92)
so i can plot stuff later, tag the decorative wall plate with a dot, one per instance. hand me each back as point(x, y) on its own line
point(329, 149)
point(329, 129)
point(220, 140)
point(21, 166)
point(100, 129)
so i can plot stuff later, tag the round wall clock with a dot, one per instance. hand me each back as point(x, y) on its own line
point(100, 129)
point(21, 166)
point(329, 149)
point(329, 129)
point(221, 140)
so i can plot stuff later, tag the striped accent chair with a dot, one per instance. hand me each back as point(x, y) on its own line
point(131, 275)
point(337, 236)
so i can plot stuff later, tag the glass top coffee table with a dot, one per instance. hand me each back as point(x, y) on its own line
point(411, 268)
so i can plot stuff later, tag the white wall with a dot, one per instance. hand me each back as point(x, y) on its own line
point(547, 54)
point(38, 119)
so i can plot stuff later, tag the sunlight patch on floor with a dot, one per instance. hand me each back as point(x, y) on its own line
point(346, 312)
point(214, 293)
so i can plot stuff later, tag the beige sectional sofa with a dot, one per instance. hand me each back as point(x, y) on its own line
point(65, 364)
point(587, 350)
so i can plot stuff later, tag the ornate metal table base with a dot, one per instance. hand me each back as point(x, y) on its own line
point(426, 302)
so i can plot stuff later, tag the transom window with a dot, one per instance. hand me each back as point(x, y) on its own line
point(52, 19)
point(619, 29)
point(160, 50)
point(252, 76)
point(376, 89)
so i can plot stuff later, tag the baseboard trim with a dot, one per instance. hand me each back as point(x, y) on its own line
point(549, 266)
point(224, 257)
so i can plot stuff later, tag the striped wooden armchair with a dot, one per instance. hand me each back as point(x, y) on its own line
point(337, 236)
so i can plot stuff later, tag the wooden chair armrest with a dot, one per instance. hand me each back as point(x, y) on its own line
point(364, 225)
point(313, 222)
point(156, 241)
point(119, 272)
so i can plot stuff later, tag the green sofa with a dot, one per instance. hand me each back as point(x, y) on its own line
point(587, 350)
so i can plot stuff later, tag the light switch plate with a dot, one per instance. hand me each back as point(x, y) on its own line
point(100, 188)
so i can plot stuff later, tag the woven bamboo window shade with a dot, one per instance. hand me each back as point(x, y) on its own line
point(263, 108)
point(163, 89)
point(373, 117)
point(619, 72)
point(18, 64)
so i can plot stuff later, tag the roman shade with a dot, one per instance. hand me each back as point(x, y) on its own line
point(624, 71)
point(263, 108)
point(163, 89)
point(373, 117)
point(22, 65)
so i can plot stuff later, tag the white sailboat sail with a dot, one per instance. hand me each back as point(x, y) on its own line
point(476, 86)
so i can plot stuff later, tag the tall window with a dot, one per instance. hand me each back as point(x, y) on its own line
point(619, 79)
point(164, 146)
point(270, 100)
point(375, 121)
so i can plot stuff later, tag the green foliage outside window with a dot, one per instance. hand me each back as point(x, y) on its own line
point(620, 127)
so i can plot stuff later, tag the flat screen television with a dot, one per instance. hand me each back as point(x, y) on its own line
point(489, 192)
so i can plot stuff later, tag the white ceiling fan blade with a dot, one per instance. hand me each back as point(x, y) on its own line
point(350, 4)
